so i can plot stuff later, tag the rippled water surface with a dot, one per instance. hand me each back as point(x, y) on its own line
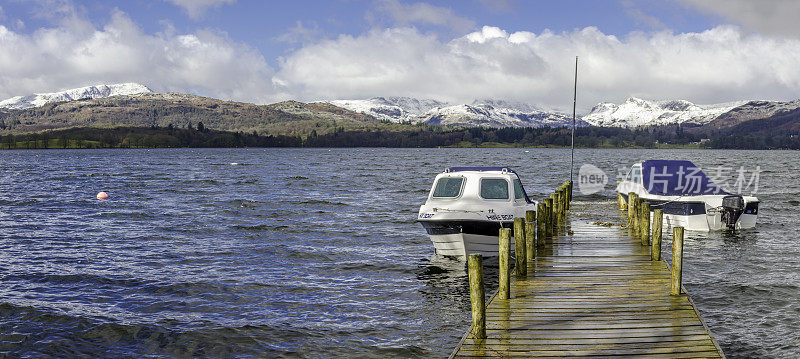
point(316, 252)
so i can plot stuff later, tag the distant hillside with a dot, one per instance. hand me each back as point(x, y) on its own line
point(759, 124)
point(180, 110)
point(82, 93)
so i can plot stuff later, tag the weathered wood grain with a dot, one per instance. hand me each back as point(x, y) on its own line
point(593, 292)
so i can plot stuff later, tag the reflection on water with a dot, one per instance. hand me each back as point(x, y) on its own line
point(316, 252)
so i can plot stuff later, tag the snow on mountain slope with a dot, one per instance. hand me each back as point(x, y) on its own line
point(492, 113)
point(753, 110)
point(635, 112)
point(99, 91)
point(394, 109)
point(487, 112)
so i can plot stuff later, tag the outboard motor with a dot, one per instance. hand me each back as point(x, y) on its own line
point(732, 209)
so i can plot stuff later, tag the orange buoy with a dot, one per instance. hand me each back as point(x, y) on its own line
point(102, 195)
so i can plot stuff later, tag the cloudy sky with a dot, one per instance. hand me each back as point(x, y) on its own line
point(705, 51)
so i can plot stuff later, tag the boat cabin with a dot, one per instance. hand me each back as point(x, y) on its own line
point(478, 186)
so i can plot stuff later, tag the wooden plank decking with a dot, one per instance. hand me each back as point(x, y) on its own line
point(593, 293)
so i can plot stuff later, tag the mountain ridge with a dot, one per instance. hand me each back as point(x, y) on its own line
point(132, 104)
point(80, 93)
point(186, 110)
point(632, 113)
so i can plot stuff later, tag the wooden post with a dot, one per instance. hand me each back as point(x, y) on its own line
point(559, 203)
point(564, 201)
point(677, 260)
point(541, 231)
point(551, 210)
point(641, 215)
point(521, 265)
point(637, 213)
point(622, 205)
point(645, 223)
point(556, 206)
point(505, 271)
point(569, 194)
point(476, 295)
point(548, 208)
point(530, 235)
point(554, 212)
point(631, 208)
point(658, 221)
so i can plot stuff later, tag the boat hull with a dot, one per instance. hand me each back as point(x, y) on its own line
point(461, 244)
point(687, 197)
point(460, 238)
point(703, 222)
point(695, 216)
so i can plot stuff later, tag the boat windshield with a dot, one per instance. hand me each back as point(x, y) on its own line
point(494, 188)
point(448, 187)
point(518, 192)
point(635, 175)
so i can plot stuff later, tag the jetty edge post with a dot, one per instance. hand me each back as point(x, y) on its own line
point(551, 208)
point(505, 271)
point(645, 223)
point(564, 201)
point(548, 212)
point(622, 205)
point(556, 209)
point(530, 235)
point(658, 223)
point(641, 214)
point(520, 256)
point(554, 212)
point(476, 295)
point(677, 260)
point(541, 232)
point(641, 217)
point(559, 206)
point(631, 208)
point(637, 213)
point(569, 194)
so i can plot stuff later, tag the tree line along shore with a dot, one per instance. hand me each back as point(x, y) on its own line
point(420, 136)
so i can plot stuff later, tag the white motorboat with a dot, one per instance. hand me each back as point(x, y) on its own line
point(467, 206)
point(688, 197)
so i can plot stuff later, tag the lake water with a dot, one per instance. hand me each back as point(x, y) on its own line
point(316, 252)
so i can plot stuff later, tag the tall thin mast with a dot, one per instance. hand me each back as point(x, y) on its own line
point(574, 101)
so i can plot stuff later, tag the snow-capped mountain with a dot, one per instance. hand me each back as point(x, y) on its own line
point(753, 110)
point(636, 112)
point(494, 113)
point(486, 113)
point(394, 109)
point(99, 91)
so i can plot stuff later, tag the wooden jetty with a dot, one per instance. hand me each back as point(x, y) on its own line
point(588, 290)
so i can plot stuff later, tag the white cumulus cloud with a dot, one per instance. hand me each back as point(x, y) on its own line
point(778, 17)
point(718, 65)
point(202, 62)
point(721, 64)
